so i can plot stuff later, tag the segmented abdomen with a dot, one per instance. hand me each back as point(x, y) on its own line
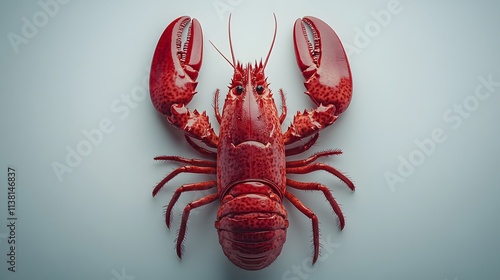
point(251, 224)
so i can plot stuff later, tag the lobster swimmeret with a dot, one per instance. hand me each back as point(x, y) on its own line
point(248, 156)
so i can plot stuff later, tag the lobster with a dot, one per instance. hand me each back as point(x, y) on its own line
point(248, 156)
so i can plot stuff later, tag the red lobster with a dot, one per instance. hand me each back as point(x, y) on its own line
point(251, 150)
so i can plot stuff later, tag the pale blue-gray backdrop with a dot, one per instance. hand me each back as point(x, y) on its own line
point(420, 140)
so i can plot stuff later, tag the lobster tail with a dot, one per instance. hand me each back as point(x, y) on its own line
point(252, 227)
point(256, 248)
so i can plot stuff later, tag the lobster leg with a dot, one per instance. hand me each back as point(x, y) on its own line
point(304, 162)
point(326, 70)
point(193, 161)
point(302, 148)
point(200, 149)
point(173, 76)
point(183, 169)
point(326, 192)
point(320, 166)
point(185, 216)
point(186, 188)
point(314, 219)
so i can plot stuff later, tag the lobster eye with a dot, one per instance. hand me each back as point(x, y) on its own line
point(259, 89)
point(239, 90)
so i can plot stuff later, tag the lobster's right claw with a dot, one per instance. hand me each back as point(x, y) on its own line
point(175, 68)
point(323, 63)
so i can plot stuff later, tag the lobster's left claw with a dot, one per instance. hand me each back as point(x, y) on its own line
point(323, 63)
point(175, 67)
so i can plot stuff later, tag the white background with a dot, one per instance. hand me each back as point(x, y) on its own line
point(412, 72)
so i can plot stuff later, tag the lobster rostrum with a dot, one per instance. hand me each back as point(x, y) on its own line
point(248, 156)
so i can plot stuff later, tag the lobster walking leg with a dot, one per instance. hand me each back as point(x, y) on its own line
point(314, 219)
point(326, 192)
point(304, 162)
point(183, 169)
point(186, 188)
point(193, 161)
point(185, 216)
point(200, 149)
point(302, 148)
point(321, 166)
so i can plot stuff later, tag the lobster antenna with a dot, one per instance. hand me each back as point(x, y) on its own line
point(232, 65)
point(230, 40)
point(272, 43)
point(230, 46)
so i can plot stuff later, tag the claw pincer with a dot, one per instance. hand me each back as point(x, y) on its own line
point(323, 64)
point(172, 81)
point(175, 67)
